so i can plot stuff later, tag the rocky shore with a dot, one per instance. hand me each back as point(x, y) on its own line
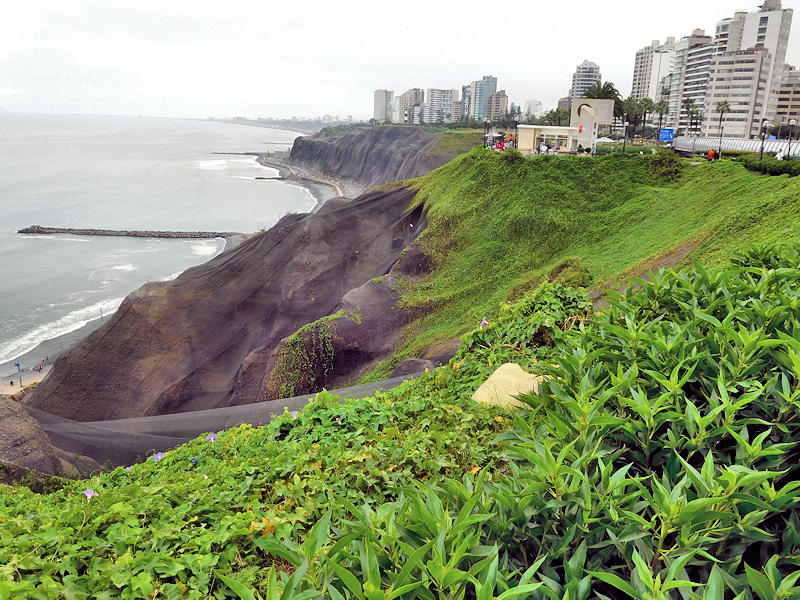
point(40, 230)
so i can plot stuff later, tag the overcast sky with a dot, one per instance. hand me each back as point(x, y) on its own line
point(198, 58)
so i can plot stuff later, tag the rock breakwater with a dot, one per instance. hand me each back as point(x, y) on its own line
point(40, 230)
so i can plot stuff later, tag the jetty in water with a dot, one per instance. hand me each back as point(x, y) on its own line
point(39, 230)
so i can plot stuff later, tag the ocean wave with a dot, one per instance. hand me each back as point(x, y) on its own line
point(69, 322)
point(211, 165)
point(50, 237)
point(208, 248)
point(125, 267)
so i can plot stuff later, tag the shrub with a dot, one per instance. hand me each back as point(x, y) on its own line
point(666, 164)
point(770, 165)
point(512, 155)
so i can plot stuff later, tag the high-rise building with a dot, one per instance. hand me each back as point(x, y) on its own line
point(533, 108)
point(676, 81)
point(440, 106)
point(739, 78)
point(755, 76)
point(789, 96)
point(497, 106)
point(481, 91)
point(383, 105)
point(769, 28)
point(466, 100)
point(585, 75)
point(652, 64)
point(695, 84)
point(564, 103)
point(410, 99)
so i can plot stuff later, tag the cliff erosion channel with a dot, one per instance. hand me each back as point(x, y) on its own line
point(287, 312)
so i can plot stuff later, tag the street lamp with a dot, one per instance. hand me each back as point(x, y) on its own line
point(764, 124)
point(791, 129)
point(625, 137)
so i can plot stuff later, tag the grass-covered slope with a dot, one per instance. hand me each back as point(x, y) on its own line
point(661, 455)
point(499, 227)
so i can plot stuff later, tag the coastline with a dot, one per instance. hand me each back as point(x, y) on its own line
point(321, 189)
point(47, 351)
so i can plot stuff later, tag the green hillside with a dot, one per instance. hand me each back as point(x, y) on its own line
point(658, 461)
point(499, 227)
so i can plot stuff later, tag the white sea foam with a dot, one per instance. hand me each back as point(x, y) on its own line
point(69, 322)
point(205, 249)
point(50, 237)
point(211, 165)
point(125, 267)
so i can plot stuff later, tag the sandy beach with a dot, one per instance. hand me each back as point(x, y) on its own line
point(10, 385)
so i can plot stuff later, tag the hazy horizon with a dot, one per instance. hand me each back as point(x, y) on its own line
point(201, 59)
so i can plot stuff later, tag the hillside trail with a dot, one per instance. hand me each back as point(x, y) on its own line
point(642, 270)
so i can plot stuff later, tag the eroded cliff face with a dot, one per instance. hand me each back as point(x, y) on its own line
point(369, 156)
point(204, 339)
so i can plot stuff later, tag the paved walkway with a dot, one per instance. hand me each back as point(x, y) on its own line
point(125, 441)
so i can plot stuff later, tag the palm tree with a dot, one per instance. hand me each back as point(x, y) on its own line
point(722, 108)
point(695, 117)
point(630, 108)
point(662, 108)
point(606, 91)
point(688, 106)
point(647, 106)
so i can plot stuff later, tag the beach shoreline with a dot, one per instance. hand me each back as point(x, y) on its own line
point(47, 351)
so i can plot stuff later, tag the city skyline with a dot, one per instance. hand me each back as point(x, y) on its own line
point(200, 59)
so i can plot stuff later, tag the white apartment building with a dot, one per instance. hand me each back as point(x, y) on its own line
point(697, 37)
point(384, 99)
point(789, 96)
point(768, 28)
point(740, 78)
point(585, 75)
point(695, 85)
point(534, 108)
point(653, 63)
point(440, 106)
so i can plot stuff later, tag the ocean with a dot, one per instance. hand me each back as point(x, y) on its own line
point(120, 173)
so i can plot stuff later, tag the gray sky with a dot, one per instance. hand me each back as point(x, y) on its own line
point(264, 58)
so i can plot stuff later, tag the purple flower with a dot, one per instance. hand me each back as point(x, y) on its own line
point(89, 493)
point(294, 414)
point(338, 419)
point(129, 468)
point(194, 461)
point(158, 456)
point(484, 322)
point(211, 437)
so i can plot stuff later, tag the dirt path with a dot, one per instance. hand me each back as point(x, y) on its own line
point(642, 270)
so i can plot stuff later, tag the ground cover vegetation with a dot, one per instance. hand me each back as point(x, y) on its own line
point(498, 228)
point(658, 460)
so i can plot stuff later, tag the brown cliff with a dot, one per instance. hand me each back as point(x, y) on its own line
point(201, 341)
